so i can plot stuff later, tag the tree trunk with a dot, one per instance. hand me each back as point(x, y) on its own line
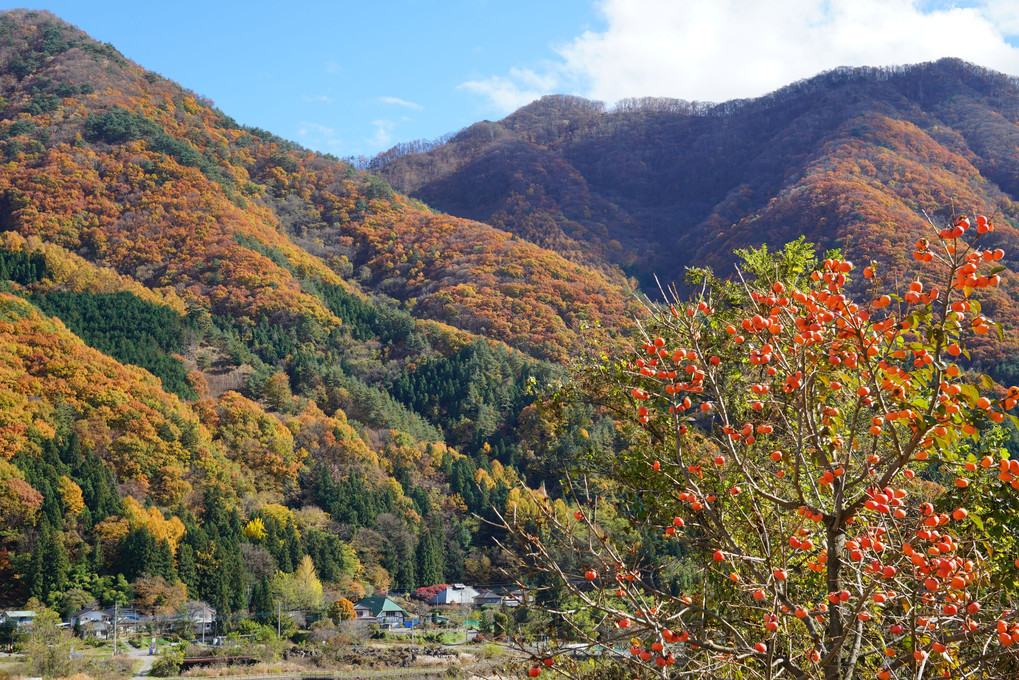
point(836, 625)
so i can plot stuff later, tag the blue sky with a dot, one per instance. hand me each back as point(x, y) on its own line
point(344, 77)
point(354, 78)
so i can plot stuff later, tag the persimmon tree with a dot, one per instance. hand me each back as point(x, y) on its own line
point(824, 463)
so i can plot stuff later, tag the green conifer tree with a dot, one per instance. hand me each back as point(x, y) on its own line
point(261, 605)
point(187, 569)
point(429, 567)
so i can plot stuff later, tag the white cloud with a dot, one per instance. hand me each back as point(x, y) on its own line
point(383, 137)
point(400, 102)
point(320, 98)
point(1004, 14)
point(518, 88)
point(332, 68)
point(714, 50)
point(318, 136)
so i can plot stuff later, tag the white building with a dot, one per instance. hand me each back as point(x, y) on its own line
point(23, 618)
point(455, 594)
point(92, 622)
point(200, 616)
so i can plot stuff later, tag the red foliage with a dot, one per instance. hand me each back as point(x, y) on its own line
point(426, 593)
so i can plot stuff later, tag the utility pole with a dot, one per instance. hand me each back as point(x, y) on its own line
point(116, 612)
point(279, 616)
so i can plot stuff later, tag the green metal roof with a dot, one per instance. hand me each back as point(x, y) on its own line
point(379, 604)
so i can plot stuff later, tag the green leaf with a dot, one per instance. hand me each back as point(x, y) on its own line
point(970, 393)
point(1015, 422)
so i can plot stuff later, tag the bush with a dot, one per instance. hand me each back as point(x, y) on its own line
point(110, 669)
point(259, 633)
point(490, 650)
point(169, 664)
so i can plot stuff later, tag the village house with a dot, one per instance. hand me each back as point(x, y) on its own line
point(455, 594)
point(23, 618)
point(129, 620)
point(92, 623)
point(200, 616)
point(486, 598)
point(381, 610)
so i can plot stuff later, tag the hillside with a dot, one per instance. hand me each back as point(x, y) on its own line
point(225, 353)
point(853, 156)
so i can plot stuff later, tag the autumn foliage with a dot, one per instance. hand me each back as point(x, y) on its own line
point(825, 465)
point(151, 181)
point(199, 320)
point(654, 185)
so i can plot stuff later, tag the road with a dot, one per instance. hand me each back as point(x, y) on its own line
point(147, 661)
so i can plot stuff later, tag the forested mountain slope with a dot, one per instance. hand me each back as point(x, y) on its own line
point(224, 353)
point(857, 157)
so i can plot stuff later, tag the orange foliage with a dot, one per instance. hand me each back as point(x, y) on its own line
point(121, 411)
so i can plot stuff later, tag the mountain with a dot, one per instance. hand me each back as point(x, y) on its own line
point(224, 353)
point(853, 157)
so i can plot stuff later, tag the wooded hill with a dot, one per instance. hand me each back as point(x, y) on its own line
point(224, 353)
point(858, 157)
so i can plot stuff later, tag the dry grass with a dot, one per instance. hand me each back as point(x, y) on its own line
point(260, 669)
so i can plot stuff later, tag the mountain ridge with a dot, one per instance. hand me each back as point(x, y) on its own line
point(860, 156)
point(228, 335)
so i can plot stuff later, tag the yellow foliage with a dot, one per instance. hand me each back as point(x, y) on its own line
point(152, 520)
point(111, 532)
point(255, 530)
point(498, 471)
point(70, 494)
point(153, 595)
point(119, 410)
point(392, 485)
point(311, 517)
point(302, 589)
point(254, 438)
point(436, 452)
point(170, 485)
point(19, 502)
point(43, 429)
point(112, 529)
point(455, 502)
point(280, 513)
point(68, 271)
point(482, 478)
point(561, 511)
point(328, 438)
point(341, 610)
point(522, 504)
point(378, 576)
